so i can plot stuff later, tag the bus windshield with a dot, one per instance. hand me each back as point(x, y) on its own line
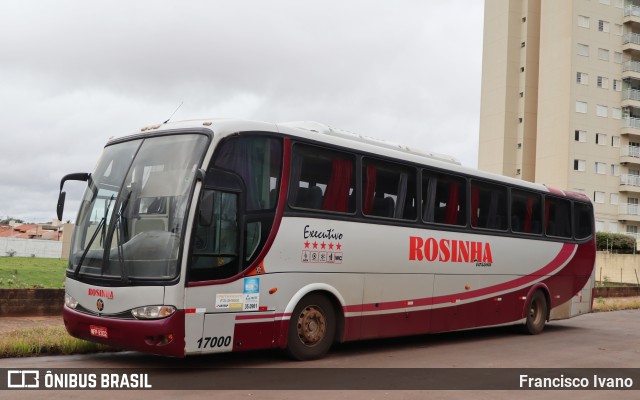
point(130, 222)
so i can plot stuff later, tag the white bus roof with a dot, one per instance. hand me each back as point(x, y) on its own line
point(323, 133)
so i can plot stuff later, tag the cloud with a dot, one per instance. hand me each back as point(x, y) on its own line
point(75, 73)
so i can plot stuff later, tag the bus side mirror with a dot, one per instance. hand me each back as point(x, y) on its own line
point(78, 176)
point(206, 208)
point(60, 207)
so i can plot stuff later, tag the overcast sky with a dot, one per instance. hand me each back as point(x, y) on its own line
point(74, 73)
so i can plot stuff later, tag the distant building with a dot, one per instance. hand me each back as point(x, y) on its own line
point(560, 101)
point(31, 231)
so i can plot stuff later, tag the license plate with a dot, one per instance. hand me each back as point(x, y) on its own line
point(99, 331)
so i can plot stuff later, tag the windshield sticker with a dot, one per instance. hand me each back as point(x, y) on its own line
point(322, 246)
point(229, 301)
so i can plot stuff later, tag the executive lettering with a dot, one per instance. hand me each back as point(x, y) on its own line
point(328, 234)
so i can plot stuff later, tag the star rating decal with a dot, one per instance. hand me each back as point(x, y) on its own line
point(321, 255)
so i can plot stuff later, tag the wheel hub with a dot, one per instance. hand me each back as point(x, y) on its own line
point(312, 326)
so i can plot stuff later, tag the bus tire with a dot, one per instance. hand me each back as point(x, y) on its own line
point(312, 328)
point(536, 313)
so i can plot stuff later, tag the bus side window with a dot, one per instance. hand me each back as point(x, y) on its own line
point(582, 220)
point(389, 190)
point(488, 206)
point(526, 212)
point(322, 179)
point(444, 198)
point(557, 215)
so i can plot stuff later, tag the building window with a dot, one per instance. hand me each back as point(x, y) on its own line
point(518, 171)
point(521, 94)
point(616, 113)
point(598, 197)
point(520, 120)
point(581, 107)
point(617, 29)
point(601, 168)
point(519, 146)
point(521, 69)
point(583, 50)
point(615, 141)
point(603, 26)
point(579, 165)
point(524, 19)
point(583, 21)
point(603, 83)
point(601, 111)
point(614, 199)
point(617, 85)
point(581, 136)
point(522, 44)
point(613, 227)
point(615, 170)
point(617, 57)
point(603, 54)
point(582, 78)
point(601, 139)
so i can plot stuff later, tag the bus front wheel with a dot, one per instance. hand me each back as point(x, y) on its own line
point(536, 313)
point(312, 328)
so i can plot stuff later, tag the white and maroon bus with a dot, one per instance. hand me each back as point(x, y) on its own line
point(218, 235)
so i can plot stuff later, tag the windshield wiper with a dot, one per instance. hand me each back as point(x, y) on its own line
point(101, 224)
point(120, 231)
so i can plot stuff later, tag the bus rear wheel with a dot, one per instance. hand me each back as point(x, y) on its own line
point(312, 328)
point(536, 313)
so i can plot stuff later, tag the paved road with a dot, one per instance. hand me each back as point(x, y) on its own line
point(601, 340)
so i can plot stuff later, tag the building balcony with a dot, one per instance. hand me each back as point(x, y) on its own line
point(629, 212)
point(631, 13)
point(634, 235)
point(631, 43)
point(630, 126)
point(631, 98)
point(629, 183)
point(631, 69)
point(630, 155)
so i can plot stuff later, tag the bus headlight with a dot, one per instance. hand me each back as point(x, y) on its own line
point(70, 301)
point(153, 312)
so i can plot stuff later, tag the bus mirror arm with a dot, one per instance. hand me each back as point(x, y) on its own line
point(78, 176)
point(200, 174)
point(206, 208)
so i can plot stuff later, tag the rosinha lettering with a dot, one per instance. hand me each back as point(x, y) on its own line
point(448, 250)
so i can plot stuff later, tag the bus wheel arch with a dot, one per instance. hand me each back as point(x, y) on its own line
point(316, 323)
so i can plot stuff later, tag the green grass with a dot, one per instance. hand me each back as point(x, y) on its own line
point(29, 272)
point(45, 341)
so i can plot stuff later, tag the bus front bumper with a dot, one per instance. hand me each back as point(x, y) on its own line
point(160, 336)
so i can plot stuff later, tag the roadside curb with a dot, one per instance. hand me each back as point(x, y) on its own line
point(31, 302)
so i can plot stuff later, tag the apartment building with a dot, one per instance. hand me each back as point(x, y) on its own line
point(560, 100)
